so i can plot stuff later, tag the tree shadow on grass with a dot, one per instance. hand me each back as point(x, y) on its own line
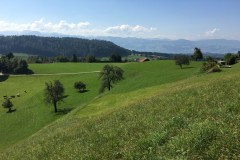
point(188, 67)
point(65, 96)
point(11, 111)
point(83, 91)
point(3, 77)
point(64, 111)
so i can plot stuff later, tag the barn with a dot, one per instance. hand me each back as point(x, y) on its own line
point(143, 60)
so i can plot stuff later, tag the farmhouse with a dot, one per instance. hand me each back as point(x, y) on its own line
point(221, 62)
point(143, 60)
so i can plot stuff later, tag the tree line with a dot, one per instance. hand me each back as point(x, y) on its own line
point(11, 65)
point(74, 58)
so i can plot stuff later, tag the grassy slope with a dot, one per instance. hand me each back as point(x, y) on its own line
point(32, 114)
point(194, 118)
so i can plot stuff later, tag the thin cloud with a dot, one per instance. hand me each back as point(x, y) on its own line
point(42, 26)
point(126, 29)
point(212, 32)
point(79, 29)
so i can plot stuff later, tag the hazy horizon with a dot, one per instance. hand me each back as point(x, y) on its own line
point(172, 19)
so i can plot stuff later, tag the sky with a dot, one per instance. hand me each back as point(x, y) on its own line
point(163, 19)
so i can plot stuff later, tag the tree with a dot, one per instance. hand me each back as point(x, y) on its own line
point(10, 55)
point(13, 65)
point(209, 59)
point(230, 58)
point(238, 57)
point(22, 67)
point(110, 74)
point(115, 58)
point(90, 58)
point(8, 104)
point(61, 58)
point(80, 86)
point(54, 93)
point(182, 60)
point(6, 65)
point(74, 58)
point(197, 54)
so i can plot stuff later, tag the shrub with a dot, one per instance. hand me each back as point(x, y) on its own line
point(8, 104)
point(215, 69)
point(80, 86)
point(210, 66)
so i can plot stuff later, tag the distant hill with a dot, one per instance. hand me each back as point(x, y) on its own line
point(52, 46)
point(219, 46)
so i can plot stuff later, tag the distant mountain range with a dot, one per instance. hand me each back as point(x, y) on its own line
point(214, 46)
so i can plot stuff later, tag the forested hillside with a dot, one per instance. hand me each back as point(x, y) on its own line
point(52, 46)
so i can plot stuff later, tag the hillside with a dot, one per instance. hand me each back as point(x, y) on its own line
point(158, 112)
point(52, 46)
point(31, 112)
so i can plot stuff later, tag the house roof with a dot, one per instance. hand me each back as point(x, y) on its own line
point(143, 60)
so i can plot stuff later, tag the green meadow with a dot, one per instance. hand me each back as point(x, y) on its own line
point(53, 68)
point(158, 111)
point(31, 112)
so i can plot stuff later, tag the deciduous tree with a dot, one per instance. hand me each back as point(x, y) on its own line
point(182, 59)
point(197, 54)
point(10, 55)
point(74, 58)
point(110, 75)
point(54, 93)
point(10, 65)
point(230, 58)
point(90, 58)
point(115, 58)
